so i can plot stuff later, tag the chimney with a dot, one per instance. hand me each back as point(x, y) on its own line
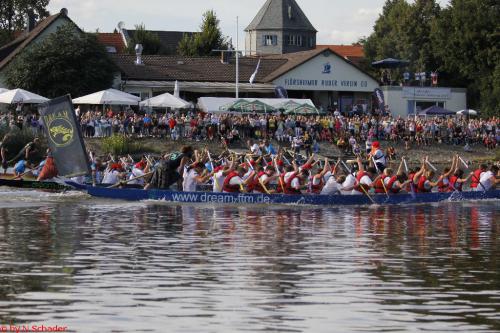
point(138, 53)
point(224, 57)
point(30, 20)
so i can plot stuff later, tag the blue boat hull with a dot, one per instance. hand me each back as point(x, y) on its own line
point(250, 198)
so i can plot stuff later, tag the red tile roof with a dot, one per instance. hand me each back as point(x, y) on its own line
point(114, 39)
point(354, 51)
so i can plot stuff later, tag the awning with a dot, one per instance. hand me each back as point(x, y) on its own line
point(223, 104)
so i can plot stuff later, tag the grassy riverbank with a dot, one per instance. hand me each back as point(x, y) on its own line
point(439, 153)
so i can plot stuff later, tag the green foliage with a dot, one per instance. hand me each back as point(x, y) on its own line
point(149, 40)
point(67, 61)
point(466, 40)
point(460, 41)
point(204, 42)
point(121, 145)
point(13, 16)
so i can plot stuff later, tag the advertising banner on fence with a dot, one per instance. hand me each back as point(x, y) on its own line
point(64, 137)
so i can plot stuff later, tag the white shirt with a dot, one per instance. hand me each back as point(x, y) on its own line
point(255, 149)
point(485, 180)
point(110, 177)
point(137, 173)
point(331, 187)
point(349, 182)
point(218, 181)
point(189, 182)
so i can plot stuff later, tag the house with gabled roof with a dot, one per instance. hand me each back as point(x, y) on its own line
point(35, 35)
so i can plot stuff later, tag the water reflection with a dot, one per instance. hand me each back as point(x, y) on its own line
point(144, 267)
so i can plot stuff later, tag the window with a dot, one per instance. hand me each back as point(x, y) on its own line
point(311, 41)
point(269, 40)
point(298, 40)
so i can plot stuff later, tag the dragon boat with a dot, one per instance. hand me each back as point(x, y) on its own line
point(263, 199)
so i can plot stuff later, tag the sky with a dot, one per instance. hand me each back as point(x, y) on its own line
point(337, 21)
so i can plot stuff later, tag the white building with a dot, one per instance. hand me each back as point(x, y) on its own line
point(404, 101)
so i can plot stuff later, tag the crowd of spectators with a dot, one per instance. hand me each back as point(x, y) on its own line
point(345, 132)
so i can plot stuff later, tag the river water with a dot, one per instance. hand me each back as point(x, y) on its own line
point(90, 265)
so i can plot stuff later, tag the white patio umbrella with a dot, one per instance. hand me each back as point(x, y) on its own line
point(123, 93)
point(107, 97)
point(21, 96)
point(166, 100)
point(467, 112)
point(2, 90)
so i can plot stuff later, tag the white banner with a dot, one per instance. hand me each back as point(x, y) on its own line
point(416, 93)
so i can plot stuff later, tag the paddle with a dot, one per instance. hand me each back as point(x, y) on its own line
point(381, 180)
point(279, 177)
point(412, 185)
point(123, 182)
point(213, 170)
point(352, 174)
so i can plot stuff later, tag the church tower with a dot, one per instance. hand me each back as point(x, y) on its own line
point(279, 27)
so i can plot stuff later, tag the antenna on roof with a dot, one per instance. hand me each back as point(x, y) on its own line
point(121, 25)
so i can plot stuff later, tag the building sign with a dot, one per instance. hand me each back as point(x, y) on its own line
point(415, 93)
point(301, 83)
point(330, 74)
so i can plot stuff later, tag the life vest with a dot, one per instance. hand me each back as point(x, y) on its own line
point(442, 187)
point(421, 185)
point(227, 187)
point(359, 187)
point(288, 185)
point(256, 185)
point(390, 185)
point(379, 185)
point(281, 183)
point(454, 185)
point(317, 188)
point(476, 175)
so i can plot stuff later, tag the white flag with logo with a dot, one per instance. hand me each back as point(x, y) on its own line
point(252, 78)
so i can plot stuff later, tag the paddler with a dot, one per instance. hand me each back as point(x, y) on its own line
point(20, 167)
point(49, 169)
point(170, 169)
point(234, 183)
point(263, 179)
point(423, 178)
point(113, 174)
point(318, 180)
point(294, 178)
point(378, 156)
point(364, 178)
point(3, 152)
point(476, 176)
point(194, 175)
point(489, 179)
point(139, 170)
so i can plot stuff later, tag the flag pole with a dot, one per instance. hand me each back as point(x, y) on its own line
point(237, 59)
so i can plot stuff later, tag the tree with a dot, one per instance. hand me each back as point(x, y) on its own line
point(204, 42)
point(403, 31)
point(466, 43)
point(149, 40)
point(67, 61)
point(13, 16)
